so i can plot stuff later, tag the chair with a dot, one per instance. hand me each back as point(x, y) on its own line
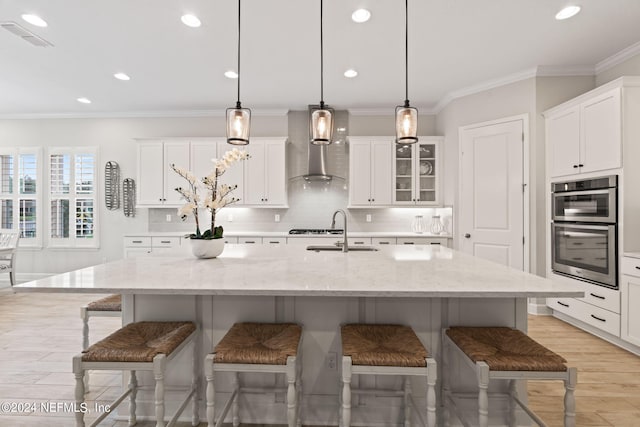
point(507, 354)
point(140, 346)
point(256, 347)
point(110, 306)
point(374, 349)
point(8, 248)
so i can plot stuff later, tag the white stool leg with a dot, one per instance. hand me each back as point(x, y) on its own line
point(407, 401)
point(513, 394)
point(235, 409)
point(483, 397)
point(346, 391)
point(195, 382)
point(159, 365)
point(292, 398)
point(432, 377)
point(78, 372)
point(84, 315)
point(569, 398)
point(211, 391)
point(299, 388)
point(446, 372)
point(133, 386)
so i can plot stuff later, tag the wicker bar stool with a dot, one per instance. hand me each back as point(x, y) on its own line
point(257, 347)
point(372, 349)
point(508, 354)
point(110, 306)
point(140, 346)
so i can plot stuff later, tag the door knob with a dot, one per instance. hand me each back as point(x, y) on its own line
point(467, 235)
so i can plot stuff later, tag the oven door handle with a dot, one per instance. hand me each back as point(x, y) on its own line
point(574, 226)
point(583, 192)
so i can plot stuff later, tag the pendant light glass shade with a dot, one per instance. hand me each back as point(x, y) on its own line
point(406, 124)
point(321, 125)
point(238, 125)
point(238, 118)
point(406, 116)
point(321, 121)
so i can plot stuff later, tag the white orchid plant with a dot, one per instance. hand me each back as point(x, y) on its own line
point(217, 195)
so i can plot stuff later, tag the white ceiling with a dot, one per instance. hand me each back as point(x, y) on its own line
point(453, 44)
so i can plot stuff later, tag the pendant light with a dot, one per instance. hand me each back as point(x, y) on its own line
point(406, 116)
point(321, 123)
point(238, 118)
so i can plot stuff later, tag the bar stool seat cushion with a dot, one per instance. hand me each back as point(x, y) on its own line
point(110, 303)
point(505, 349)
point(382, 345)
point(259, 343)
point(139, 342)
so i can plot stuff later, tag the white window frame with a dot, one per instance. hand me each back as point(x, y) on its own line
point(15, 196)
point(72, 241)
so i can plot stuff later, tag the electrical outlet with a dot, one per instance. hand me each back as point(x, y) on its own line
point(368, 217)
point(332, 362)
point(277, 217)
point(168, 218)
point(230, 218)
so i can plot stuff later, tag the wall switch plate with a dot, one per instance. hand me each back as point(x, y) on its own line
point(168, 218)
point(230, 218)
point(277, 217)
point(368, 217)
point(332, 362)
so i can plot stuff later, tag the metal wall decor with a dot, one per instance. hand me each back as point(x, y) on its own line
point(112, 185)
point(129, 197)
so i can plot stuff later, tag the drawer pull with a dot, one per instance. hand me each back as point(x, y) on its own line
point(597, 296)
point(409, 243)
point(274, 241)
point(563, 304)
point(358, 243)
point(383, 243)
point(638, 267)
point(136, 241)
point(598, 318)
point(250, 241)
point(434, 243)
point(165, 241)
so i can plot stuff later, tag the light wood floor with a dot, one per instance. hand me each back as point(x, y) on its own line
point(39, 334)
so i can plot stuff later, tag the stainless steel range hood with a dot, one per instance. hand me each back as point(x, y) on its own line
point(317, 164)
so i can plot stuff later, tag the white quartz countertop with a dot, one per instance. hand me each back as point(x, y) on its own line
point(395, 271)
point(293, 236)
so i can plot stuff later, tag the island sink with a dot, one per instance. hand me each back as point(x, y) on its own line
point(339, 248)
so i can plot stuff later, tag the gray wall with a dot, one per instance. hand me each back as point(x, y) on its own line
point(630, 67)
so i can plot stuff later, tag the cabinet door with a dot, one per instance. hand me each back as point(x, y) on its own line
point(202, 153)
point(563, 135)
point(150, 185)
point(427, 171)
point(234, 175)
point(275, 174)
point(174, 153)
point(381, 172)
point(360, 173)
point(601, 141)
point(630, 324)
point(254, 173)
point(404, 177)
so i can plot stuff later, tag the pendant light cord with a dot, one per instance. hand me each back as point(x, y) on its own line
point(238, 102)
point(321, 59)
point(406, 52)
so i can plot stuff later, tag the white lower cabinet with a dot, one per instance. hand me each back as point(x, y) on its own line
point(422, 241)
point(144, 245)
point(587, 313)
point(250, 240)
point(383, 240)
point(630, 289)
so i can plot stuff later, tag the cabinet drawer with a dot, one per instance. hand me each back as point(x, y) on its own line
point(602, 297)
point(165, 242)
point(631, 266)
point(587, 313)
point(383, 241)
point(274, 240)
point(250, 240)
point(422, 241)
point(359, 241)
point(230, 240)
point(135, 242)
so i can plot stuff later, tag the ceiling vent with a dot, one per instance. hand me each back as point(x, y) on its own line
point(25, 34)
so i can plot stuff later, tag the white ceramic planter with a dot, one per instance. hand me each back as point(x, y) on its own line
point(202, 248)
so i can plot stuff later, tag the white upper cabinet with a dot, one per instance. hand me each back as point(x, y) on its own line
point(586, 137)
point(370, 171)
point(417, 170)
point(235, 174)
point(265, 178)
point(156, 180)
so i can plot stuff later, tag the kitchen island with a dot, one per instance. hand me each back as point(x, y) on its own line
point(426, 287)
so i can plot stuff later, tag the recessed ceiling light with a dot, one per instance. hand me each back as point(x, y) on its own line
point(231, 74)
point(350, 73)
point(567, 12)
point(34, 20)
point(361, 15)
point(84, 100)
point(191, 21)
point(122, 76)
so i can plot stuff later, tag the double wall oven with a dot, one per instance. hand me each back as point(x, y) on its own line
point(584, 231)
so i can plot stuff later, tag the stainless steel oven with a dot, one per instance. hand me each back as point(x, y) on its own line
point(584, 232)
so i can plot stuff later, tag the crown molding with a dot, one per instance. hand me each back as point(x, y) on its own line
point(561, 71)
point(140, 114)
point(618, 58)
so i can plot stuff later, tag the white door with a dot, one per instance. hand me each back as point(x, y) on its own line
point(491, 193)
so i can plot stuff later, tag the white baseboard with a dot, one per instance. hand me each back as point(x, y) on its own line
point(539, 309)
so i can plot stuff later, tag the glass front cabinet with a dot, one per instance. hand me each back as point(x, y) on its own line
point(417, 172)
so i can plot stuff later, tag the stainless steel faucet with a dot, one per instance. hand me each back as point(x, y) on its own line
point(345, 245)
